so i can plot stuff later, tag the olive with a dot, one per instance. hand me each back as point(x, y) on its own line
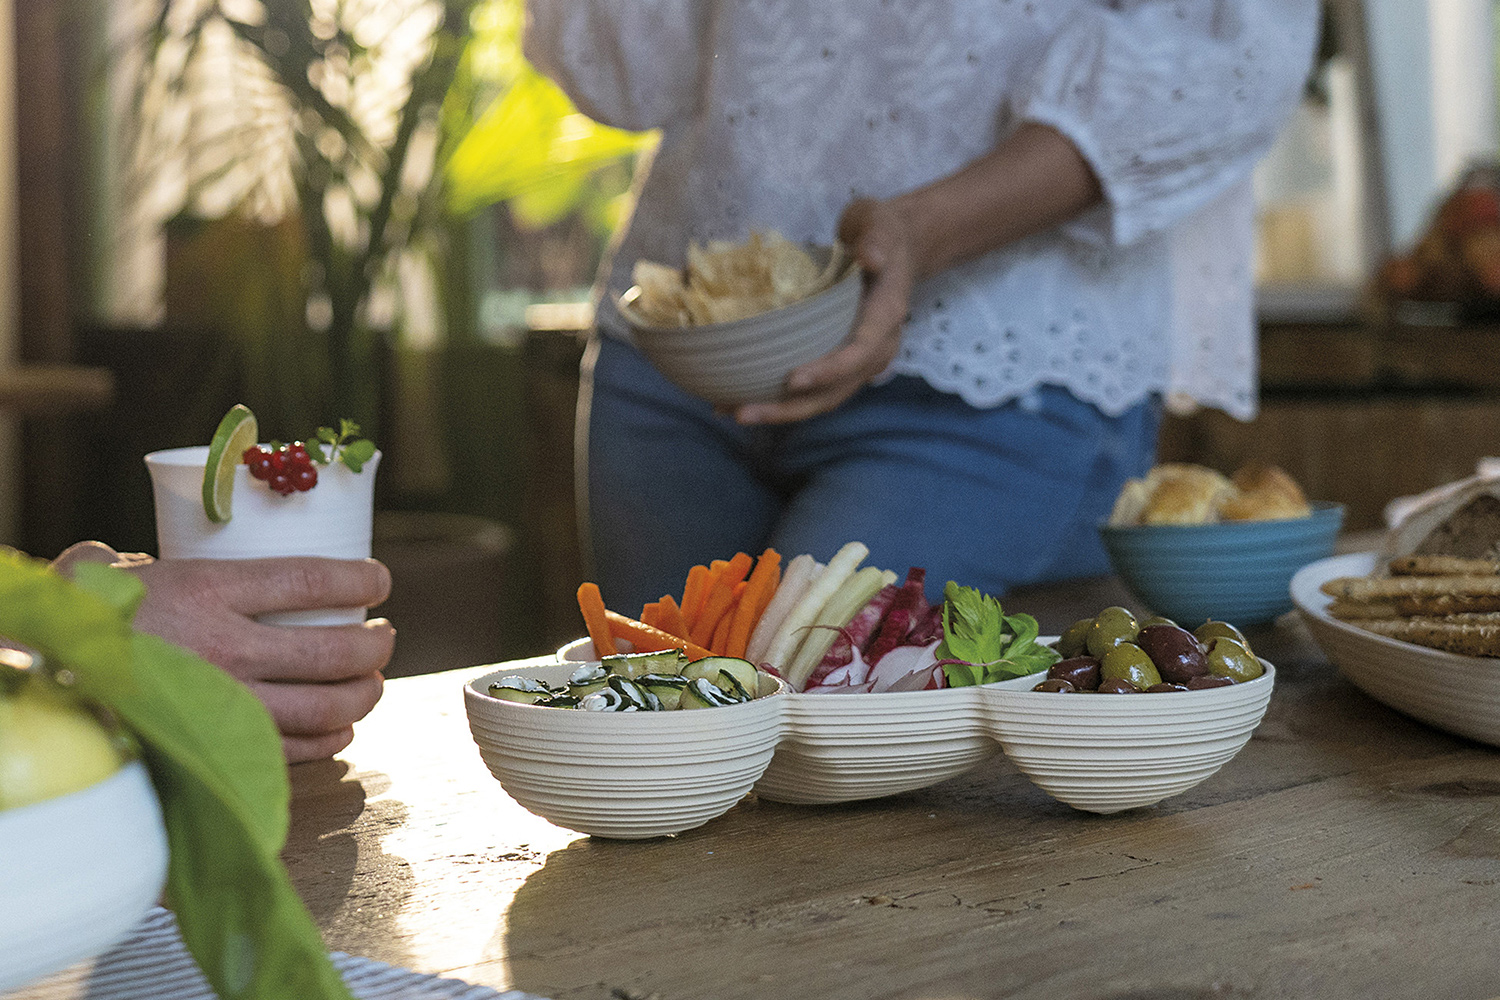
point(1129, 662)
point(1080, 671)
point(1177, 654)
point(1165, 688)
point(1206, 681)
point(1117, 686)
point(1111, 627)
point(1074, 640)
point(1213, 629)
point(1156, 620)
point(1227, 658)
point(1055, 684)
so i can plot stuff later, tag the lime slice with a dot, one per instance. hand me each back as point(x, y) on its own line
point(237, 431)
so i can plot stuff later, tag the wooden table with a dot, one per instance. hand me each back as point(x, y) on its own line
point(1347, 851)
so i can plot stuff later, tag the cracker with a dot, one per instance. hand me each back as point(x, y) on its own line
point(1363, 588)
point(1443, 566)
point(1465, 637)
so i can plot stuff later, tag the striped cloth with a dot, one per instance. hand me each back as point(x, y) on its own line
point(152, 963)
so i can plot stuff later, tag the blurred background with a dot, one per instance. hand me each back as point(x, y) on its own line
point(376, 209)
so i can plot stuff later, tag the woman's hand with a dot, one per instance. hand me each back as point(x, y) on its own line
point(317, 681)
point(881, 240)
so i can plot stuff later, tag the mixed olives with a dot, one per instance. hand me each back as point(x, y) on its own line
point(1113, 653)
point(641, 682)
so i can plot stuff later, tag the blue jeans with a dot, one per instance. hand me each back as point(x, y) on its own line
point(991, 498)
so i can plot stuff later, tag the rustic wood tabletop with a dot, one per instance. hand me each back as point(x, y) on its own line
point(1347, 851)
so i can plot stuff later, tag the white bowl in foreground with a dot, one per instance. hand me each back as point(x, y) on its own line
point(1106, 753)
point(1460, 694)
point(627, 775)
point(81, 870)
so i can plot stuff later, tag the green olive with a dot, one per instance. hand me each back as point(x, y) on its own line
point(1074, 641)
point(1228, 658)
point(1156, 620)
point(1111, 627)
point(1213, 629)
point(1129, 662)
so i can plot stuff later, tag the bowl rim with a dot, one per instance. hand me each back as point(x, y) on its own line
point(1322, 511)
point(477, 689)
point(621, 302)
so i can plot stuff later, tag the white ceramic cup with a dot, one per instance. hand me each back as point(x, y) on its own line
point(332, 519)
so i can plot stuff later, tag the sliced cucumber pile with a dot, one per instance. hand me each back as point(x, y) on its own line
point(641, 682)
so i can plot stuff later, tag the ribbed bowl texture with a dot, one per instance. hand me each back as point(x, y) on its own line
point(748, 360)
point(637, 775)
point(1459, 694)
point(1238, 572)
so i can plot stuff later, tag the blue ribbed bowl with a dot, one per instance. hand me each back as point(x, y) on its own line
point(1239, 572)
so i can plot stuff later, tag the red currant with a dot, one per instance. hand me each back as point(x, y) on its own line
point(259, 461)
point(296, 453)
point(278, 460)
point(281, 483)
point(304, 478)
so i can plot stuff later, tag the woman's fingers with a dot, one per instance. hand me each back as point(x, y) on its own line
point(304, 748)
point(316, 710)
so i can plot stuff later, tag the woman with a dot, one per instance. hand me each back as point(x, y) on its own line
point(1052, 204)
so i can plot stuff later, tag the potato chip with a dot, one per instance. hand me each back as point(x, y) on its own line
point(724, 281)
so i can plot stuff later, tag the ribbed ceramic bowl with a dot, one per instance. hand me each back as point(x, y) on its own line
point(624, 775)
point(748, 360)
point(1238, 572)
point(80, 871)
point(1106, 753)
point(846, 747)
point(1460, 694)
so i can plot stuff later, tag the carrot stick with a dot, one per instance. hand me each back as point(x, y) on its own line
point(758, 591)
point(646, 639)
point(721, 630)
point(651, 614)
point(672, 618)
point(591, 603)
point(719, 598)
point(693, 591)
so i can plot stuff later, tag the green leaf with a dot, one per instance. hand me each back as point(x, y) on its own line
point(215, 759)
point(993, 646)
point(347, 428)
point(122, 591)
point(327, 436)
point(316, 453)
point(357, 453)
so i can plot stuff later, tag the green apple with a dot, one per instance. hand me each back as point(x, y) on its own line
point(50, 743)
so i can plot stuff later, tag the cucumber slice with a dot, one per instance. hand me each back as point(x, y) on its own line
point(633, 665)
point(520, 689)
point(666, 688)
point(703, 693)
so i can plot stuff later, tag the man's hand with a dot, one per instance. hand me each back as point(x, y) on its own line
point(317, 681)
point(881, 240)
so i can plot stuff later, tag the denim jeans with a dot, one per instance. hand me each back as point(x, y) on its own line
point(989, 497)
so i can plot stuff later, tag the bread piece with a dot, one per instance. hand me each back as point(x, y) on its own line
point(1264, 493)
point(1130, 503)
point(1181, 493)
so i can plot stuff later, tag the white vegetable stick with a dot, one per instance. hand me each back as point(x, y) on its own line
point(799, 574)
point(792, 631)
point(836, 612)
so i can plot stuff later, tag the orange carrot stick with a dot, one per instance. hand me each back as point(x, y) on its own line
point(591, 603)
point(758, 590)
point(719, 598)
point(672, 618)
point(651, 614)
point(693, 591)
point(726, 620)
point(646, 639)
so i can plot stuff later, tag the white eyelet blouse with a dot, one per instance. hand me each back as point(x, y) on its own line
point(775, 113)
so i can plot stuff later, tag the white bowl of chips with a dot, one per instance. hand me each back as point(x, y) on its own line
point(732, 324)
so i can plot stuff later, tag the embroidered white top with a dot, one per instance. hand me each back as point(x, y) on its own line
point(775, 113)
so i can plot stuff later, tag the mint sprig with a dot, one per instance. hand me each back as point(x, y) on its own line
point(982, 644)
point(344, 445)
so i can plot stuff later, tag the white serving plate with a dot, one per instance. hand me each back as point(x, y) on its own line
point(1460, 694)
point(79, 871)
